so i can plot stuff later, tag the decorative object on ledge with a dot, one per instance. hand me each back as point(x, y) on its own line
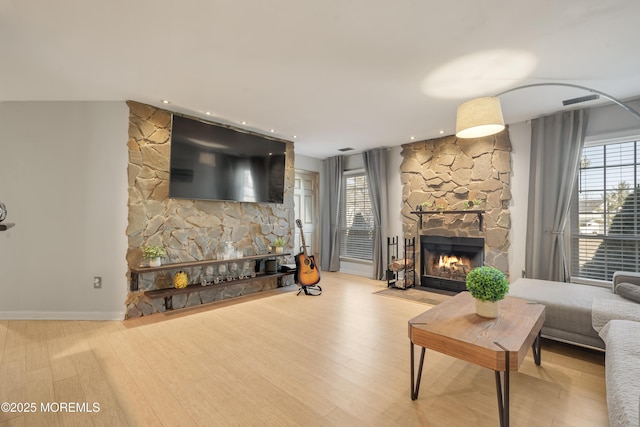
point(180, 280)
point(443, 212)
point(279, 245)
point(154, 254)
point(270, 266)
point(487, 285)
point(135, 272)
point(424, 206)
point(471, 204)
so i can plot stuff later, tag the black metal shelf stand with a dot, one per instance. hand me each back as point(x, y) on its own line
point(405, 277)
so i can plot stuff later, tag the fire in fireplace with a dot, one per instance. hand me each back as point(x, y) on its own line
point(449, 266)
point(447, 260)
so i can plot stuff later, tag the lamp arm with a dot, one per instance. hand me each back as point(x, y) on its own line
point(604, 95)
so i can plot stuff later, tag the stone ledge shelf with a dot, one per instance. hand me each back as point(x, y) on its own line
point(135, 272)
point(168, 293)
point(468, 211)
point(6, 226)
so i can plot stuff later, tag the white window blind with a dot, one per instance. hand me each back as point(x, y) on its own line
point(356, 218)
point(607, 236)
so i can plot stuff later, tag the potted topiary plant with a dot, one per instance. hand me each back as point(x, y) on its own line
point(487, 285)
point(154, 254)
point(279, 245)
point(470, 204)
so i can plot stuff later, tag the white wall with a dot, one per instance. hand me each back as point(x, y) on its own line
point(520, 135)
point(612, 121)
point(63, 177)
point(306, 163)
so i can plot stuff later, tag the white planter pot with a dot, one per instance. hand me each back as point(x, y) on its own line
point(487, 309)
point(279, 250)
point(155, 262)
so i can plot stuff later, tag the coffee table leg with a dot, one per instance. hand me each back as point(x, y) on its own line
point(416, 388)
point(536, 347)
point(503, 393)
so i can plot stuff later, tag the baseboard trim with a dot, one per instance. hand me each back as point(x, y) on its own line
point(61, 315)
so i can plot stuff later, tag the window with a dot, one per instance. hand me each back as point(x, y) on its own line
point(607, 236)
point(356, 218)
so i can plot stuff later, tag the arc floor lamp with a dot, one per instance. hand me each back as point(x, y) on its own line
point(480, 117)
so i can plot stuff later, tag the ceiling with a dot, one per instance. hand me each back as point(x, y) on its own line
point(335, 73)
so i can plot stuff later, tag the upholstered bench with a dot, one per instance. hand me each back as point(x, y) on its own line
point(568, 308)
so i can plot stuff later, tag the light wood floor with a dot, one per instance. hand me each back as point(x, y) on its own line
point(340, 359)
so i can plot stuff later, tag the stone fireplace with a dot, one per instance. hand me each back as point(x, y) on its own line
point(441, 179)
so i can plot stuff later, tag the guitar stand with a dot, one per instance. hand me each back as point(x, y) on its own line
point(313, 290)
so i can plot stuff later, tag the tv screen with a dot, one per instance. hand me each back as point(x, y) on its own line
point(211, 162)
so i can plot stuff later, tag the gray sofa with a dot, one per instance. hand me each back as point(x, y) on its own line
point(622, 362)
point(568, 309)
point(600, 318)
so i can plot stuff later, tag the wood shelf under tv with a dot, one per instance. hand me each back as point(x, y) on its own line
point(168, 293)
point(137, 271)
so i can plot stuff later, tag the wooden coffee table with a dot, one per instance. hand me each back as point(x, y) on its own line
point(453, 328)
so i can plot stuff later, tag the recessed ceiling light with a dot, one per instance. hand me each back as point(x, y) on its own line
point(272, 130)
point(208, 113)
point(164, 101)
point(412, 138)
point(243, 122)
point(295, 136)
point(441, 132)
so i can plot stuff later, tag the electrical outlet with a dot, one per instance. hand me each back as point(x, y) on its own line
point(97, 282)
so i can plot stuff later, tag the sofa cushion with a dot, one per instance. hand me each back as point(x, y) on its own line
point(622, 371)
point(604, 310)
point(624, 277)
point(629, 291)
point(568, 308)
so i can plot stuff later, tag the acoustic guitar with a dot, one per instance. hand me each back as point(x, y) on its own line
point(307, 272)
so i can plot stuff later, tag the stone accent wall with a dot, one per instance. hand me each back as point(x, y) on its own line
point(190, 230)
point(445, 173)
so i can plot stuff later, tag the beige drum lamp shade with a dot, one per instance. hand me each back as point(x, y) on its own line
point(479, 117)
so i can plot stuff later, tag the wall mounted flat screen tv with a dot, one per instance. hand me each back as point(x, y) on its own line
point(210, 162)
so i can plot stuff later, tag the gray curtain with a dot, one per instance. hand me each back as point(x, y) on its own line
point(330, 192)
point(556, 145)
point(375, 167)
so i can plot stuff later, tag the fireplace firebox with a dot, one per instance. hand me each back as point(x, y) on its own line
point(445, 261)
